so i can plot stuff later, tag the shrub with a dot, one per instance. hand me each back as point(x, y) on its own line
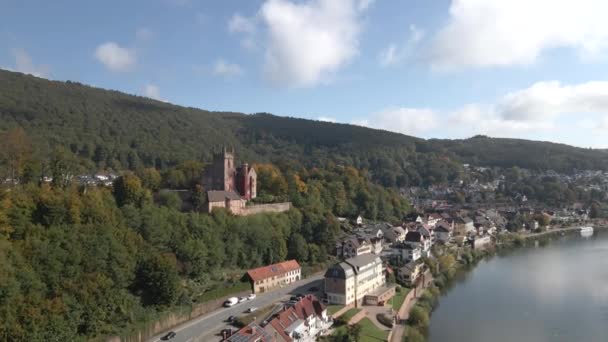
point(419, 317)
point(413, 335)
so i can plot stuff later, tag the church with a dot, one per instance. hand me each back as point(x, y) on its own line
point(229, 186)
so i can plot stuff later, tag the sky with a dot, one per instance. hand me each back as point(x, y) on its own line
point(533, 69)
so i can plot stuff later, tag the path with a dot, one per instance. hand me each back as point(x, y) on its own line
point(404, 310)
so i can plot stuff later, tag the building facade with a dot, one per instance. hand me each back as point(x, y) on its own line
point(350, 281)
point(267, 278)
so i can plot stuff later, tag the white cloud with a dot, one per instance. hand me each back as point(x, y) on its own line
point(365, 4)
point(24, 64)
point(545, 100)
point(309, 40)
point(524, 113)
point(224, 68)
point(394, 54)
point(413, 121)
point(483, 33)
point(153, 91)
point(327, 119)
point(241, 24)
point(115, 58)
point(245, 26)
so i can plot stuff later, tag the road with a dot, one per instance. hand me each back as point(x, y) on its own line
point(208, 327)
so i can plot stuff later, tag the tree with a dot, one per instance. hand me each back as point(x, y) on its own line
point(128, 190)
point(419, 317)
point(15, 150)
point(150, 178)
point(414, 335)
point(354, 332)
point(298, 248)
point(158, 281)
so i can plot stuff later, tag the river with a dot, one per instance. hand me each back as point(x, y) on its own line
point(554, 293)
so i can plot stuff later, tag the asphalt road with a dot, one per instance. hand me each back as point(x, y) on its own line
point(208, 327)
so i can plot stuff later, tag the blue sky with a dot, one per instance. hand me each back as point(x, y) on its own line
point(440, 68)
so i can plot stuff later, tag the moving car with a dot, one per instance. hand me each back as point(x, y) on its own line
point(231, 301)
point(170, 335)
point(231, 319)
point(251, 309)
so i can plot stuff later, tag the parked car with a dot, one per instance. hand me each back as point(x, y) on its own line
point(251, 309)
point(294, 298)
point(226, 332)
point(242, 299)
point(251, 296)
point(300, 296)
point(231, 301)
point(170, 335)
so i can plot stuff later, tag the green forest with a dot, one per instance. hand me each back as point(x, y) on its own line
point(84, 262)
point(104, 129)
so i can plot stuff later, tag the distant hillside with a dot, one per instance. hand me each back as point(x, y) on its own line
point(112, 129)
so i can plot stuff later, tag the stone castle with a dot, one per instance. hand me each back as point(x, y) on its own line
point(230, 187)
point(224, 175)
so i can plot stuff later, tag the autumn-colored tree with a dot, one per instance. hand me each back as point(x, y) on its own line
point(150, 178)
point(270, 180)
point(15, 150)
point(128, 189)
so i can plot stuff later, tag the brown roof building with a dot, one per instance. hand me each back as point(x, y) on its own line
point(266, 278)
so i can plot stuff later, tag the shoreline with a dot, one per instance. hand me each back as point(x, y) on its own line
point(513, 242)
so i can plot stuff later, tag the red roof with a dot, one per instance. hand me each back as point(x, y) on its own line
point(306, 307)
point(265, 272)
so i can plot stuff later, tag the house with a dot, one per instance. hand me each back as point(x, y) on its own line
point(427, 231)
point(416, 239)
point(394, 234)
point(355, 246)
point(432, 219)
point(350, 281)
point(409, 274)
point(376, 244)
point(301, 322)
point(251, 333)
point(443, 231)
point(479, 242)
point(228, 200)
point(410, 253)
point(463, 226)
point(266, 278)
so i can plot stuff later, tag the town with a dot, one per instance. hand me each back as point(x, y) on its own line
point(381, 269)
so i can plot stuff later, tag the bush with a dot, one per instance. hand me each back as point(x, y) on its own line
point(413, 335)
point(419, 317)
point(385, 320)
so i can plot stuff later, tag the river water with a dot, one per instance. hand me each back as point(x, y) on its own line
point(554, 293)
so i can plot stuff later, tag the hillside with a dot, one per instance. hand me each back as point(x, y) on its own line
point(111, 129)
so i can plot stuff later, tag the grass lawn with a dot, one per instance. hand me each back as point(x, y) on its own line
point(332, 309)
point(350, 314)
point(399, 298)
point(370, 332)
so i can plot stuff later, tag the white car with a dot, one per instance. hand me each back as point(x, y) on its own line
point(251, 309)
point(251, 296)
point(242, 299)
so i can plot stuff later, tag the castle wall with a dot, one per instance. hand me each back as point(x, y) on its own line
point(265, 208)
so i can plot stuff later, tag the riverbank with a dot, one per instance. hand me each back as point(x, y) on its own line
point(452, 263)
point(529, 294)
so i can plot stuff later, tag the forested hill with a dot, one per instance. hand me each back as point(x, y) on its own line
point(112, 129)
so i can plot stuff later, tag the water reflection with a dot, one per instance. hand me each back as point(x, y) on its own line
point(554, 293)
